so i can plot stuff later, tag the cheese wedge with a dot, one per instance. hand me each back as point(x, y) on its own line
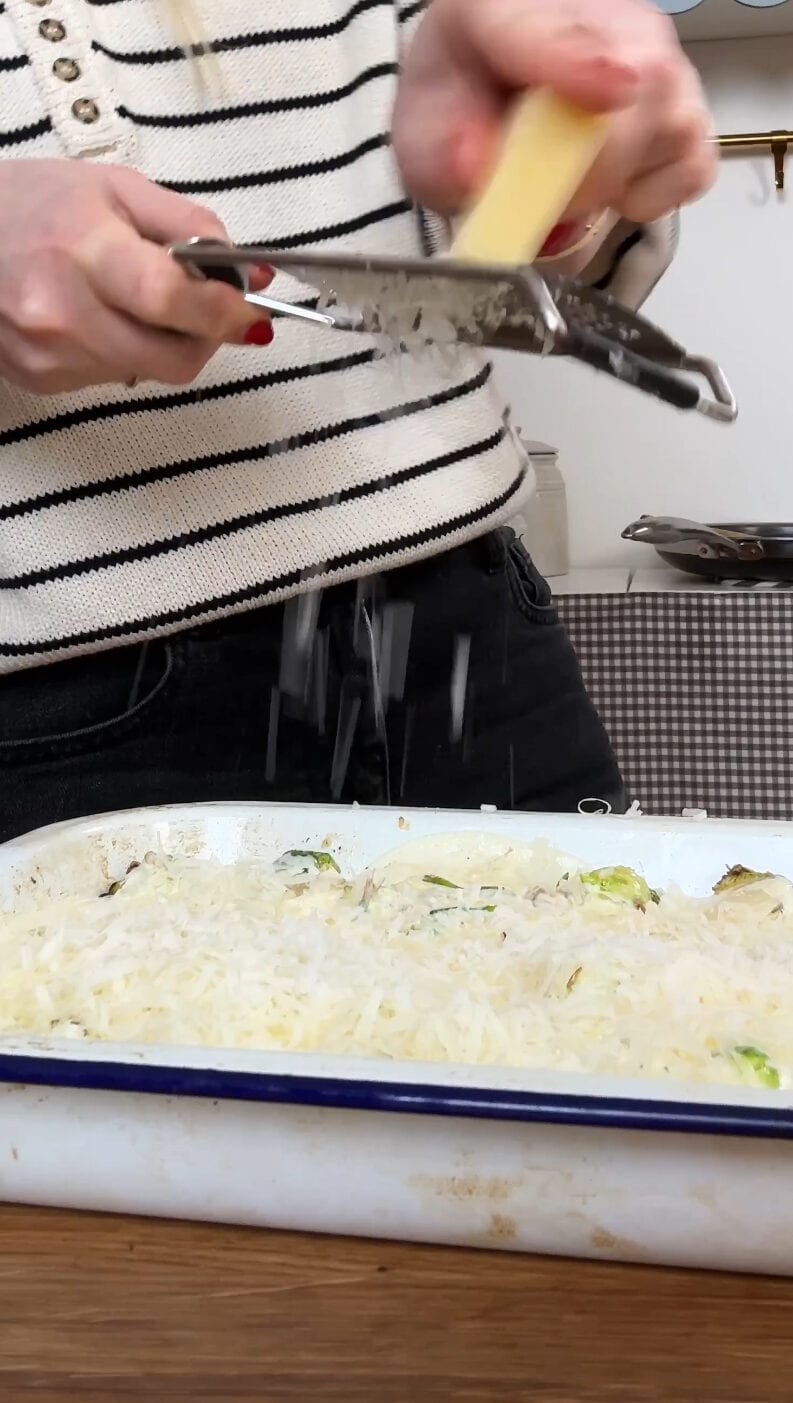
point(549, 149)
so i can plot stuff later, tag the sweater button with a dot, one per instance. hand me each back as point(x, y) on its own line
point(53, 30)
point(85, 110)
point(67, 69)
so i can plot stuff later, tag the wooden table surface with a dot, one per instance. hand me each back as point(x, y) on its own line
point(97, 1308)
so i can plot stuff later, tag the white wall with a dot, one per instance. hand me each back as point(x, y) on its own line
point(729, 295)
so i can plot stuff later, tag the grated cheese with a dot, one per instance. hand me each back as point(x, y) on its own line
point(450, 950)
point(425, 313)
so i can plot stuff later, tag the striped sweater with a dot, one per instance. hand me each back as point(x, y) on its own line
point(128, 513)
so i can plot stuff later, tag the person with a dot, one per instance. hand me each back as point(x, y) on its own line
point(216, 538)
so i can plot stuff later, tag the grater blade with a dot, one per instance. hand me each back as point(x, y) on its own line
point(480, 298)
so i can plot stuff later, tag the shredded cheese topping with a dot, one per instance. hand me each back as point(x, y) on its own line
point(514, 958)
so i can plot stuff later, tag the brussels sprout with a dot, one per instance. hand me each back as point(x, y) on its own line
point(752, 1060)
point(620, 884)
point(301, 858)
point(738, 876)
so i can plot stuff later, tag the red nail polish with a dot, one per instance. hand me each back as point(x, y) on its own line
point(559, 238)
point(260, 334)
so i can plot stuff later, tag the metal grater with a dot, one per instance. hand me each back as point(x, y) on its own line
point(493, 306)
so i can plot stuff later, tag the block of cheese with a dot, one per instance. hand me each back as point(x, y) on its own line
point(549, 148)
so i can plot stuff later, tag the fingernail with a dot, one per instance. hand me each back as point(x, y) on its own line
point(261, 277)
point(260, 334)
point(610, 68)
point(560, 237)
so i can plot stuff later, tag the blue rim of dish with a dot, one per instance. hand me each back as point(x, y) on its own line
point(405, 1098)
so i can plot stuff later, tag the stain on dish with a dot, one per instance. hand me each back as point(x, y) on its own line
point(462, 1187)
point(623, 1247)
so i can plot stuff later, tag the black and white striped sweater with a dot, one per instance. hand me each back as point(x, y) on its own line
point(129, 513)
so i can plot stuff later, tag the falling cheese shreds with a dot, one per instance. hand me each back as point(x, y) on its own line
point(532, 968)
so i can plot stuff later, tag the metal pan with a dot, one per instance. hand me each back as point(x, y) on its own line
point(733, 551)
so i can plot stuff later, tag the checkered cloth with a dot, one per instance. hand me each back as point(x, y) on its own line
point(696, 692)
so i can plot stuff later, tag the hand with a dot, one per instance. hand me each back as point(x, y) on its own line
point(470, 58)
point(88, 292)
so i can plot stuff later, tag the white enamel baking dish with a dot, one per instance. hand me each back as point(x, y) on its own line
point(537, 1162)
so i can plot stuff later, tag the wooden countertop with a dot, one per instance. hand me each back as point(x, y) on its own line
point(111, 1310)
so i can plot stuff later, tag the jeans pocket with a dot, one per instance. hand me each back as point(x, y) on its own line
point(74, 708)
point(532, 594)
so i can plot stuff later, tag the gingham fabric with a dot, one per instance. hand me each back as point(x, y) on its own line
point(696, 692)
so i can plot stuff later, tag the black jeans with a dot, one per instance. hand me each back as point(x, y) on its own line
point(479, 700)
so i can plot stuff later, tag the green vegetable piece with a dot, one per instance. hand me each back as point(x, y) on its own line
point(440, 882)
point(620, 884)
point(738, 876)
point(751, 1059)
point(115, 887)
point(324, 862)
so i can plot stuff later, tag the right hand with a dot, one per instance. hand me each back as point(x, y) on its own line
point(88, 292)
point(470, 60)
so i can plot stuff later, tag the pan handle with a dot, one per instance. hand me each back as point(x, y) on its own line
point(709, 542)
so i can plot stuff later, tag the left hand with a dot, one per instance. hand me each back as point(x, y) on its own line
point(471, 58)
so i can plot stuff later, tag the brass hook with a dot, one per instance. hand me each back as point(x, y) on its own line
point(779, 151)
point(747, 141)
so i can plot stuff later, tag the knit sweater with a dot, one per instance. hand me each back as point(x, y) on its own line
point(127, 513)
